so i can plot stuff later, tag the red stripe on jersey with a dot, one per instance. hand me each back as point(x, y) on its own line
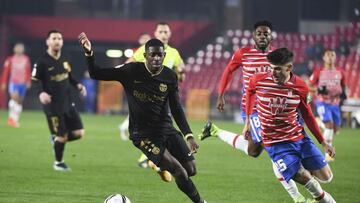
point(251, 61)
point(278, 105)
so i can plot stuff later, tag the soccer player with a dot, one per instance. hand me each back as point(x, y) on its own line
point(280, 95)
point(53, 79)
point(151, 88)
point(330, 84)
point(172, 60)
point(253, 61)
point(17, 74)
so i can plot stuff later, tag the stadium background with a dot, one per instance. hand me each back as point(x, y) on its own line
point(206, 32)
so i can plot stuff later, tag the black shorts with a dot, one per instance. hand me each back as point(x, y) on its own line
point(154, 147)
point(60, 124)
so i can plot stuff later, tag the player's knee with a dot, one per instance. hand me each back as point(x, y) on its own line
point(79, 133)
point(180, 172)
point(254, 153)
point(191, 171)
point(60, 139)
point(326, 178)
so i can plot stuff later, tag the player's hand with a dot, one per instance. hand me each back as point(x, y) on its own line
point(82, 90)
point(328, 149)
point(44, 98)
point(246, 129)
point(85, 42)
point(192, 145)
point(220, 102)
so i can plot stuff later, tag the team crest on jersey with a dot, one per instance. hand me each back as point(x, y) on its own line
point(277, 105)
point(163, 87)
point(308, 98)
point(67, 66)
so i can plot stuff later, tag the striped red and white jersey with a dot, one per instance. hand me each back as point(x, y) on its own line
point(333, 79)
point(278, 107)
point(251, 61)
point(16, 69)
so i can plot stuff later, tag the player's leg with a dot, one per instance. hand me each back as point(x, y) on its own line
point(181, 176)
point(17, 92)
point(123, 127)
point(290, 186)
point(325, 112)
point(314, 163)
point(178, 148)
point(74, 125)
point(233, 139)
point(57, 127)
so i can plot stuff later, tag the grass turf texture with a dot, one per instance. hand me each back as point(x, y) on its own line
point(102, 164)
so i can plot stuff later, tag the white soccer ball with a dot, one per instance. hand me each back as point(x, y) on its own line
point(117, 198)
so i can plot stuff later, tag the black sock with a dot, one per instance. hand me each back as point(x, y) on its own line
point(59, 150)
point(72, 137)
point(188, 187)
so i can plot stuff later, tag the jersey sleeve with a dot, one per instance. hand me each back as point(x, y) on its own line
point(6, 71)
point(118, 73)
point(251, 95)
point(139, 54)
point(177, 111)
point(314, 78)
point(178, 60)
point(306, 113)
point(37, 76)
point(28, 70)
point(234, 63)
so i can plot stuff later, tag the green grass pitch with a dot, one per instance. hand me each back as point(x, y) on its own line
point(102, 164)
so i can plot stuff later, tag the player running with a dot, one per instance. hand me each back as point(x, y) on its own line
point(251, 60)
point(17, 75)
point(280, 95)
point(330, 84)
point(151, 88)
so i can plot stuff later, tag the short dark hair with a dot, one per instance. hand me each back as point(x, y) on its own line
point(52, 31)
point(162, 23)
point(153, 43)
point(263, 23)
point(280, 56)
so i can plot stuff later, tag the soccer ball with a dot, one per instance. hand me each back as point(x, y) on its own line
point(117, 198)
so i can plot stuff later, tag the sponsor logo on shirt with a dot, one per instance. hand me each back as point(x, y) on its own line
point(277, 105)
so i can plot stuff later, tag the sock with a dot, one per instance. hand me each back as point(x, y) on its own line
point(59, 150)
point(329, 134)
point(11, 105)
point(188, 187)
point(290, 186)
point(317, 192)
point(125, 124)
point(72, 137)
point(235, 140)
point(17, 111)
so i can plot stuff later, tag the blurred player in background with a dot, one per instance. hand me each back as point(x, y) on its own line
point(279, 96)
point(251, 60)
point(52, 76)
point(151, 88)
point(172, 60)
point(17, 75)
point(329, 82)
point(90, 99)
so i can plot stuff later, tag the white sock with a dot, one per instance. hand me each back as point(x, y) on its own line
point(123, 127)
point(329, 134)
point(235, 140)
point(314, 188)
point(12, 104)
point(290, 186)
point(17, 111)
